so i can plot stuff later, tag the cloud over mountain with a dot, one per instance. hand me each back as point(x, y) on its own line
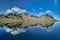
point(15, 10)
point(45, 12)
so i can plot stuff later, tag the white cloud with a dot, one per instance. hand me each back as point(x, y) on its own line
point(17, 31)
point(49, 30)
point(12, 31)
point(15, 10)
point(48, 11)
point(7, 29)
point(40, 14)
point(9, 11)
point(18, 10)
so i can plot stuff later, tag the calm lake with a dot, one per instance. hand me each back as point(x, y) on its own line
point(32, 33)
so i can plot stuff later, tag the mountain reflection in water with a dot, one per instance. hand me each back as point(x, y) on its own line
point(16, 24)
point(25, 20)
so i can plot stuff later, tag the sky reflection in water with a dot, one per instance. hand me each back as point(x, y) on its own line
point(30, 33)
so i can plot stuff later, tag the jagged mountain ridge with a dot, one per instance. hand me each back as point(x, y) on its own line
point(25, 20)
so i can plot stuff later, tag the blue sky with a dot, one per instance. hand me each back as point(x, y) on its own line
point(35, 7)
point(32, 6)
